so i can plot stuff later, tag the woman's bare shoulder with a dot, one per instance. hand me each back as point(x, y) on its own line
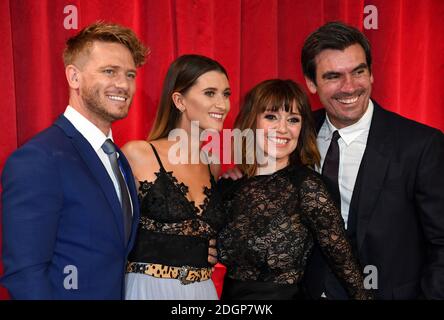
point(136, 149)
point(141, 158)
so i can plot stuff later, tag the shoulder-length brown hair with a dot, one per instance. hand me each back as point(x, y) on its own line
point(181, 76)
point(277, 94)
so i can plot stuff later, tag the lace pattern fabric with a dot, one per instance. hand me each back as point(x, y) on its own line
point(167, 195)
point(274, 221)
point(165, 211)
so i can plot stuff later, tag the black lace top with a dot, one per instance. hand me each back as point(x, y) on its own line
point(273, 223)
point(172, 230)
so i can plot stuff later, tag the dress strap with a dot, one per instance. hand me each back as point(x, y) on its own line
point(157, 157)
point(212, 180)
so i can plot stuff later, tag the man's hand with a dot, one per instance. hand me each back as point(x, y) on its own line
point(233, 173)
point(212, 252)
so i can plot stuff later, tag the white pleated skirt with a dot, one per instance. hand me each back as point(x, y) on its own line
point(140, 286)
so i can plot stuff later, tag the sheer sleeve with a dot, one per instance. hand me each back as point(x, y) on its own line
point(326, 224)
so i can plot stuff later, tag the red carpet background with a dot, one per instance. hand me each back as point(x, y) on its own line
point(254, 39)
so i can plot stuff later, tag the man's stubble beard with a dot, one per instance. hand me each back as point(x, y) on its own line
point(95, 104)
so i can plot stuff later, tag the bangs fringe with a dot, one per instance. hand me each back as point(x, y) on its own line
point(280, 98)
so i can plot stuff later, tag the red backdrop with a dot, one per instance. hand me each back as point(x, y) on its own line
point(254, 39)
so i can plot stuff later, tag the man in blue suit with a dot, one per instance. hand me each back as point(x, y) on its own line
point(69, 197)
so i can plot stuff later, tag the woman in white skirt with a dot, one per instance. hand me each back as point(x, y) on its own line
point(180, 208)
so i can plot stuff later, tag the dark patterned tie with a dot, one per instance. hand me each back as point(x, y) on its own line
point(330, 168)
point(110, 149)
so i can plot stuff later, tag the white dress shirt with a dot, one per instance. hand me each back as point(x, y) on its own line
point(96, 138)
point(351, 149)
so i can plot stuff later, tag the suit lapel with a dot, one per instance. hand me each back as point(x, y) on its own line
point(372, 172)
point(96, 167)
point(319, 118)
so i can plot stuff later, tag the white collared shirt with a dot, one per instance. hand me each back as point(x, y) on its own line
point(96, 138)
point(351, 149)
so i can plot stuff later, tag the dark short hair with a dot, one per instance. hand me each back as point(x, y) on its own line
point(181, 76)
point(106, 32)
point(332, 35)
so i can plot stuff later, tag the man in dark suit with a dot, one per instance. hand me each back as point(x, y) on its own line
point(69, 198)
point(387, 172)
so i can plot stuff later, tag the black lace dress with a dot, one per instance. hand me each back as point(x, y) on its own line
point(273, 223)
point(173, 231)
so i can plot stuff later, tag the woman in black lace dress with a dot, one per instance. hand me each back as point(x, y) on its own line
point(278, 209)
point(180, 208)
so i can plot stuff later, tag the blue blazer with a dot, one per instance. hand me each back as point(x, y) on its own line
point(63, 234)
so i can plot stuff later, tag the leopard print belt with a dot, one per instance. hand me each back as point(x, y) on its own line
point(184, 274)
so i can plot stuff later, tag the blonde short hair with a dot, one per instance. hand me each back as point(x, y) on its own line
point(106, 32)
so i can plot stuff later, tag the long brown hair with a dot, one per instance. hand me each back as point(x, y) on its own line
point(277, 94)
point(181, 76)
